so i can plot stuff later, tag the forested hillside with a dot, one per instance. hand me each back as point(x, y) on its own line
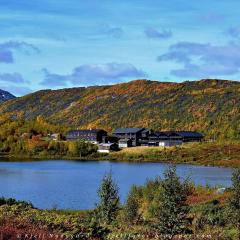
point(4, 96)
point(209, 106)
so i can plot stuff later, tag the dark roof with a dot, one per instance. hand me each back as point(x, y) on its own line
point(189, 134)
point(184, 134)
point(124, 140)
point(172, 134)
point(160, 134)
point(85, 131)
point(128, 130)
point(177, 134)
point(146, 130)
point(163, 135)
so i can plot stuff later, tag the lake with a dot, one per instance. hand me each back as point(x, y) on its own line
point(74, 184)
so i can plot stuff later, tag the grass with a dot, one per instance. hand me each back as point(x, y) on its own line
point(205, 194)
point(225, 154)
point(61, 221)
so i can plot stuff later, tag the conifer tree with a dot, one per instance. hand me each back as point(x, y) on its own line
point(173, 208)
point(109, 200)
point(132, 206)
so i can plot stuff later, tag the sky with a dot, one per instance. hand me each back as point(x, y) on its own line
point(52, 44)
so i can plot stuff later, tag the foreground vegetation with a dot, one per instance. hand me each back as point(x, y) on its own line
point(161, 209)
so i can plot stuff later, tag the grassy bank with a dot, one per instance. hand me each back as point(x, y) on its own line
point(226, 154)
point(30, 157)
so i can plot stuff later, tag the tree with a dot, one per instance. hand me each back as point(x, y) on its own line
point(173, 208)
point(81, 148)
point(131, 209)
point(235, 198)
point(72, 148)
point(109, 200)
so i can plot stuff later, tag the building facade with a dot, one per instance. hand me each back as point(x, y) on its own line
point(90, 135)
point(173, 138)
point(133, 134)
point(125, 143)
point(128, 137)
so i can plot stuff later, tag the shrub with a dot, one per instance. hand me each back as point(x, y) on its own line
point(12, 201)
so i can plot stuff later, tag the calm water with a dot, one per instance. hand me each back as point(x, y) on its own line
point(73, 184)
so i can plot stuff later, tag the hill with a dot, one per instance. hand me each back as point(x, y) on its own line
point(5, 96)
point(209, 106)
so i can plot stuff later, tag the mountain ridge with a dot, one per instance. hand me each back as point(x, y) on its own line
point(211, 106)
point(5, 96)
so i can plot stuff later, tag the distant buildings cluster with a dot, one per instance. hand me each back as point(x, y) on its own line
point(128, 137)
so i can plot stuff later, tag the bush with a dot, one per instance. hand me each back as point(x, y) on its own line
point(12, 201)
point(211, 214)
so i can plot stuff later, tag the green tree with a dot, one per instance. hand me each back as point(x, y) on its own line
point(173, 209)
point(109, 204)
point(81, 148)
point(132, 205)
point(72, 148)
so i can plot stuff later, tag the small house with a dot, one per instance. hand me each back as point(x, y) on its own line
point(107, 147)
point(55, 136)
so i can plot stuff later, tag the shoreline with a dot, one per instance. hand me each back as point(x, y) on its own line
point(226, 154)
point(39, 159)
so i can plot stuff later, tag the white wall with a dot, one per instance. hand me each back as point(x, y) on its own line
point(103, 151)
point(123, 145)
point(170, 143)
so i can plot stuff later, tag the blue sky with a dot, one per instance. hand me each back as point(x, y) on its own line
point(68, 43)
